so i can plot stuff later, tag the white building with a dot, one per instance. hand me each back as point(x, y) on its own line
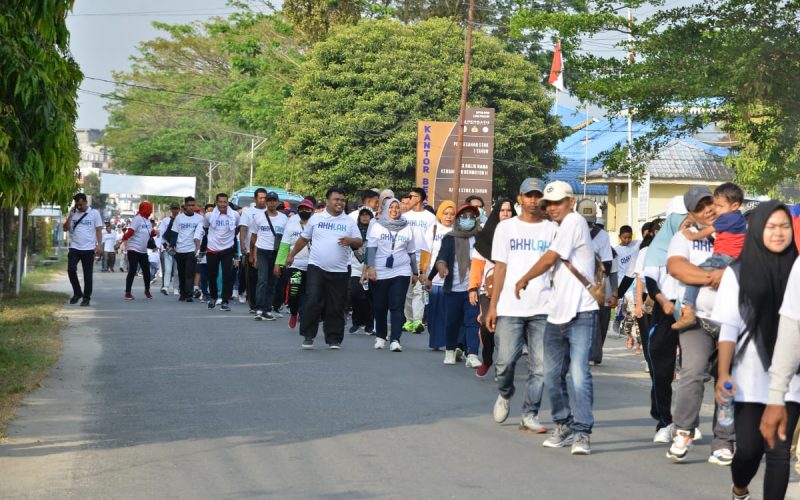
point(95, 157)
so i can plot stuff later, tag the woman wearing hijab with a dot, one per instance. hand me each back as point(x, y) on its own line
point(453, 265)
point(748, 312)
point(481, 278)
point(136, 238)
point(361, 297)
point(391, 262)
point(660, 342)
point(445, 215)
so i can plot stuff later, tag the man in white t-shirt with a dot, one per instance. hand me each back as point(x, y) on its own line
point(264, 243)
point(698, 343)
point(84, 225)
point(334, 235)
point(572, 320)
point(250, 273)
point(516, 323)
point(221, 225)
point(109, 251)
point(166, 230)
point(420, 220)
point(369, 199)
point(185, 225)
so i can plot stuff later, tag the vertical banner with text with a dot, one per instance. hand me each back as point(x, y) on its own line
point(436, 152)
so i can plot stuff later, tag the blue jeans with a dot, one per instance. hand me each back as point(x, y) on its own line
point(389, 297)
point(510, 335)
point(716, 261)
point(566, 350)
point(461, 317)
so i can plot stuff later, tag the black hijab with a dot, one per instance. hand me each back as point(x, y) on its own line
point(760, 298)
point(483, 241)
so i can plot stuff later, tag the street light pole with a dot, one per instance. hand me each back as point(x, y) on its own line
point(463, 109)
point(212, 165)
point(256, 142)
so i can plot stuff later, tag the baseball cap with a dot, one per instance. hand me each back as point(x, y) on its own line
point(306, 204)
point(587, 209)
point(174, 206)
point(557, 191)
point(466, 207)
point(531, 184)
point(694, 195)
point(272, 195)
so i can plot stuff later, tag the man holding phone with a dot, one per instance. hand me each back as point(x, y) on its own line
point(84, 225)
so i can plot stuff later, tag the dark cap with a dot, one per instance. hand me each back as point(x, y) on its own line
point(694, 196)
point(531, 184)
point(174, 206)
point(272, 195)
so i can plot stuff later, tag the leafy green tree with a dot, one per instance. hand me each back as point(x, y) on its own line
point(91, 187)
point(38, 88)
point(352, 118)
point(188, 92)
point(314, 18)
point(732, 62)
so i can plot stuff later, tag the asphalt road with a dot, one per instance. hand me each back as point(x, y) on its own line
point(161, 399)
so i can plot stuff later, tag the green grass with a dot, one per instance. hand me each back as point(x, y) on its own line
point(30, 340)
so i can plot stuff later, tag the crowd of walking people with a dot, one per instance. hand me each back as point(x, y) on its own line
point(537, 278)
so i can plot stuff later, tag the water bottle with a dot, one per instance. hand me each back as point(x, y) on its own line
point(365, 285)
point(725, 410)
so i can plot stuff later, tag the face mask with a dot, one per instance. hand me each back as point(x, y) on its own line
point(304, 215)
point(466, 224)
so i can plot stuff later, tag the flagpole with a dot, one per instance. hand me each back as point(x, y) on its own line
point(586, 151)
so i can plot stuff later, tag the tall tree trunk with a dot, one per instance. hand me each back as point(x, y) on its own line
point(7, 247)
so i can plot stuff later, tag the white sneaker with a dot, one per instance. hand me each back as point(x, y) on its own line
point(500, 411)
point(472, 361)
point(697, 434)
point(235, 295)
point(175, 291)
point(395, 346)
point(276, 314)
point(681, 444)
point(723, 456)
point(219, 301)
point(459, 354)
point(530, 422)
point(449, 357)
point(380, 343)
point(242, 298)
point(664, 434)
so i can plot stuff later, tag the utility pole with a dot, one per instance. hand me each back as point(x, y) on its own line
point(463, 111)
point(212, 165)
point(256, 142)
point(630, 124)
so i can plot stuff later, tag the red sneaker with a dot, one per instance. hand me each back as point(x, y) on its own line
point(482, 371)
point(292, 321)
point(148, 294)
point(128, 296)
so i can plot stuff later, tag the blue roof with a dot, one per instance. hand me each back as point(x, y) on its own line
point(603, 136)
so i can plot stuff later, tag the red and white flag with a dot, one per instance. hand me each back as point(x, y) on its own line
point(557, 69)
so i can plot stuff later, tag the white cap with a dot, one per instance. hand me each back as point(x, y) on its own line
point(557, 191)
point(676, 206)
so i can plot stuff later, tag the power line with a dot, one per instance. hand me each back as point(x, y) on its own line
point(183, 12)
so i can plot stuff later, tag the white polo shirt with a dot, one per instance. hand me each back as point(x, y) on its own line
point(258, 225)
point(294, 228)
point(324, 231)
point(221, 229)
point(109, 240)
point(185, 226)
point(573, 243)
point(519, 245)
point(83, 235)
point(433, 242)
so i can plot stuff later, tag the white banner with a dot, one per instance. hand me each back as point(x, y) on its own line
point(644, 199)
point(147, 185)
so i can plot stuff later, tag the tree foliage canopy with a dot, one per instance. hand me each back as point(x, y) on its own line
point(352, 118)
point(732, 62)
point(38, 153)
point(188, 91)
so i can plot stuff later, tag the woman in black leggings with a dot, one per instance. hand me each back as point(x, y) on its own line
point(748, 312)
